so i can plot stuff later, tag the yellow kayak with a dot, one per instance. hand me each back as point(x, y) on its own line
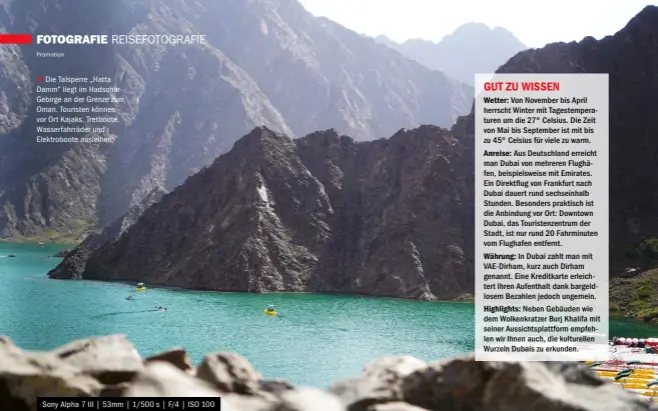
point(272, 313)
point(140, 289)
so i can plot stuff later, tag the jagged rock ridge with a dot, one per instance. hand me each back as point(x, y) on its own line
point(267, 62)
point(391, 217)
point(631, 59)
point(472, 48)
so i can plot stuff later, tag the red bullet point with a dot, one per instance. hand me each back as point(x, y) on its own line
point(40, 79)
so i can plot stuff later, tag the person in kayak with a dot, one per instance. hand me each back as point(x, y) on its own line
point(130, 297)
point(270, 309)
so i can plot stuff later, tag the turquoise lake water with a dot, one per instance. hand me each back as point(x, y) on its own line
point(316, 340)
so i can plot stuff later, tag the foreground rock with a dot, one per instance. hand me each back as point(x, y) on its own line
point(110, 367)
point(229, 373)
point(176, 356)
point(111, 360)
point(379, 383)
point(26, 375)
point(465, 384)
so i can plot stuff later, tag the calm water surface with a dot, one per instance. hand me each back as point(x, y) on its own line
point(316, 340)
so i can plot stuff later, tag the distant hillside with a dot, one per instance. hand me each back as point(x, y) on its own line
point(472, 48)
point(267, 63)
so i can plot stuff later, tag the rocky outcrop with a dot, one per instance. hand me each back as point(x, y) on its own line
point(265, 63)
point(631, 59)
point(472, 48)
point(75, 260)
point(62, 253)
point(110, 367)
point(323, 213)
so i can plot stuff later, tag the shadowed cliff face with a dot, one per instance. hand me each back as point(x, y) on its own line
point(631, 59)
point(267, 63)
point(323, 213)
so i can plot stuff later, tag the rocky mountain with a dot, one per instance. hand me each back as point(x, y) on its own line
point(472, 48)
point(631, 58)
point(75, 260)
point(265, 63)
point(392, 217)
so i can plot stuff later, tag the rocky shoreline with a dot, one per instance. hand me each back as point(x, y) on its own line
point(111, 367)
point(465, 298)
